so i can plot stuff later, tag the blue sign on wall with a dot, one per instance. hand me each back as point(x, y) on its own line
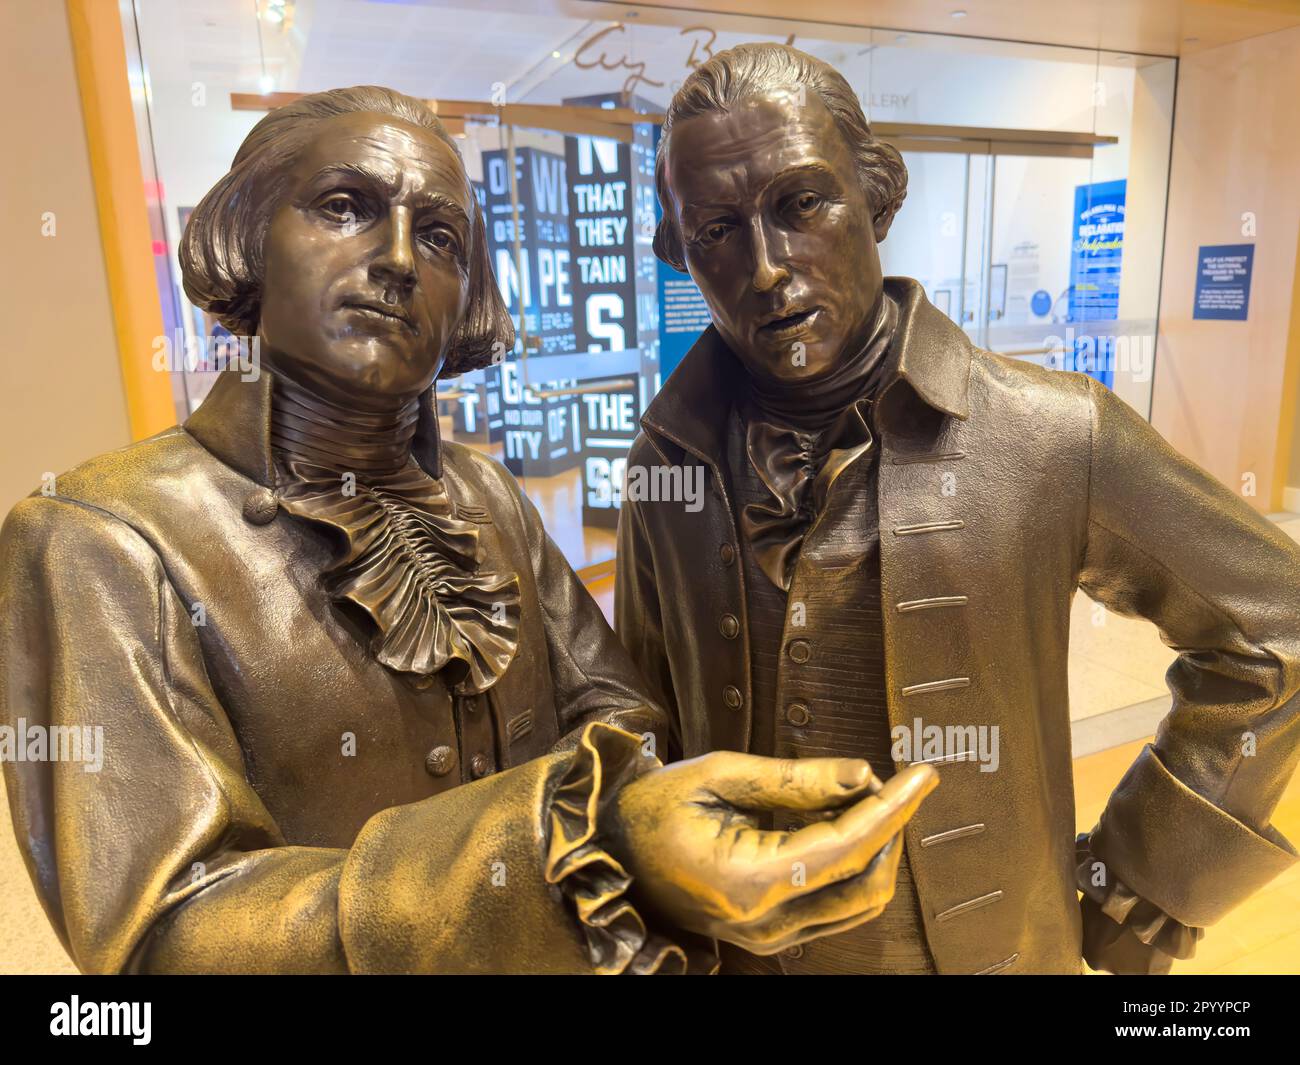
point(683, 314)
point(1096, 258)
point(1223, 281)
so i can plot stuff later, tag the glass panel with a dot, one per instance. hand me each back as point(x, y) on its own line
point(930, 238)
point(1082, 294)
point(991, 235)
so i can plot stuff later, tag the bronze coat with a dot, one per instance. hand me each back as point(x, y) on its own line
point(229, 829)
point(1058, 485)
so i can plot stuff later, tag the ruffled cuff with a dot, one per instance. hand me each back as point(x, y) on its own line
point(1132, 917)
point(605, 760)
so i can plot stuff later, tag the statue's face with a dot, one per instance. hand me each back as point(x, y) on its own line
point(777, 233)
point(367, 261)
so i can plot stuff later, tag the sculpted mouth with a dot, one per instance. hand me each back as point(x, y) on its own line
point(381, 312)
point(782, 324)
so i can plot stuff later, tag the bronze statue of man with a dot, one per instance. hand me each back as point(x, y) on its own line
point(358, 713)
point(897, 527)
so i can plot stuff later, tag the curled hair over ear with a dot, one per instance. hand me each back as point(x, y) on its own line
point(750, 70)
point(487, 332)
point(222, 265)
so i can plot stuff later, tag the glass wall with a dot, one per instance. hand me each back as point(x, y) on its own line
point(1034, 215)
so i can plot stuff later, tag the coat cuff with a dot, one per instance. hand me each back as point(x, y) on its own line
point(606, 759)
point(1179, 851)
point(1123, 932)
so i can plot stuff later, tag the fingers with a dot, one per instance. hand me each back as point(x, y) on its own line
point(835, 908)
point(751, 782)
point(785, 865)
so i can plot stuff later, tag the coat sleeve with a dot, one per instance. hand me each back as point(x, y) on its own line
point(638, 617)
point(151, 852)
point(593, 677)
point(1187, 829)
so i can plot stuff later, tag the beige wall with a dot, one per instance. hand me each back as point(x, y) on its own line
point(1291, 498)
point(1222, 395)
point(62, 398)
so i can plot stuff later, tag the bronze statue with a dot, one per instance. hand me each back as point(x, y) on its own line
point(898, 525)
point(358, 714)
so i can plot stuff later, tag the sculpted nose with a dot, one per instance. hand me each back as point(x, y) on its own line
point(394, 266)
point(769, 268)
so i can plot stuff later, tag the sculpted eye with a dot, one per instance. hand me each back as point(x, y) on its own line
point(713, 233)
point(341, 207)
point(443, 239)
point(806, 202)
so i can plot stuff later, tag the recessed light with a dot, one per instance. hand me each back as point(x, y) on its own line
point(959, 14)
point(266, 84)
point(555, 55)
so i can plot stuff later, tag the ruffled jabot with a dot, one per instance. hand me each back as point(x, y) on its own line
point(408, 561)
point(799, 439)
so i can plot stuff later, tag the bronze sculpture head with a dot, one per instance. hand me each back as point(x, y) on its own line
point(347, 237)
point(775, 195)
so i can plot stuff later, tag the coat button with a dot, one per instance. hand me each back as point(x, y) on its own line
point(797, 714)
point(440, 761)
point(731, 696)
point(794, 953)
point(799, 651)
point(728, 554)
point(480, 766)
point(422, 682)
point(260, 506)
point(729, 626)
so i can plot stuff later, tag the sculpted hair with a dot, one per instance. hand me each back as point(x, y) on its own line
point(221, 251)
point(750, 70)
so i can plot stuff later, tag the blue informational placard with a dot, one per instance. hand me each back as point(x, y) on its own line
point(1223, 281)
point(1096, 257)
point(1097, 251)
point(683, 314)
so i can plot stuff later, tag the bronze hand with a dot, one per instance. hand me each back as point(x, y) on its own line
point(688, 833)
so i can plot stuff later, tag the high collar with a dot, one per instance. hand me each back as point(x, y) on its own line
point(234, 423)
point(929, 361)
